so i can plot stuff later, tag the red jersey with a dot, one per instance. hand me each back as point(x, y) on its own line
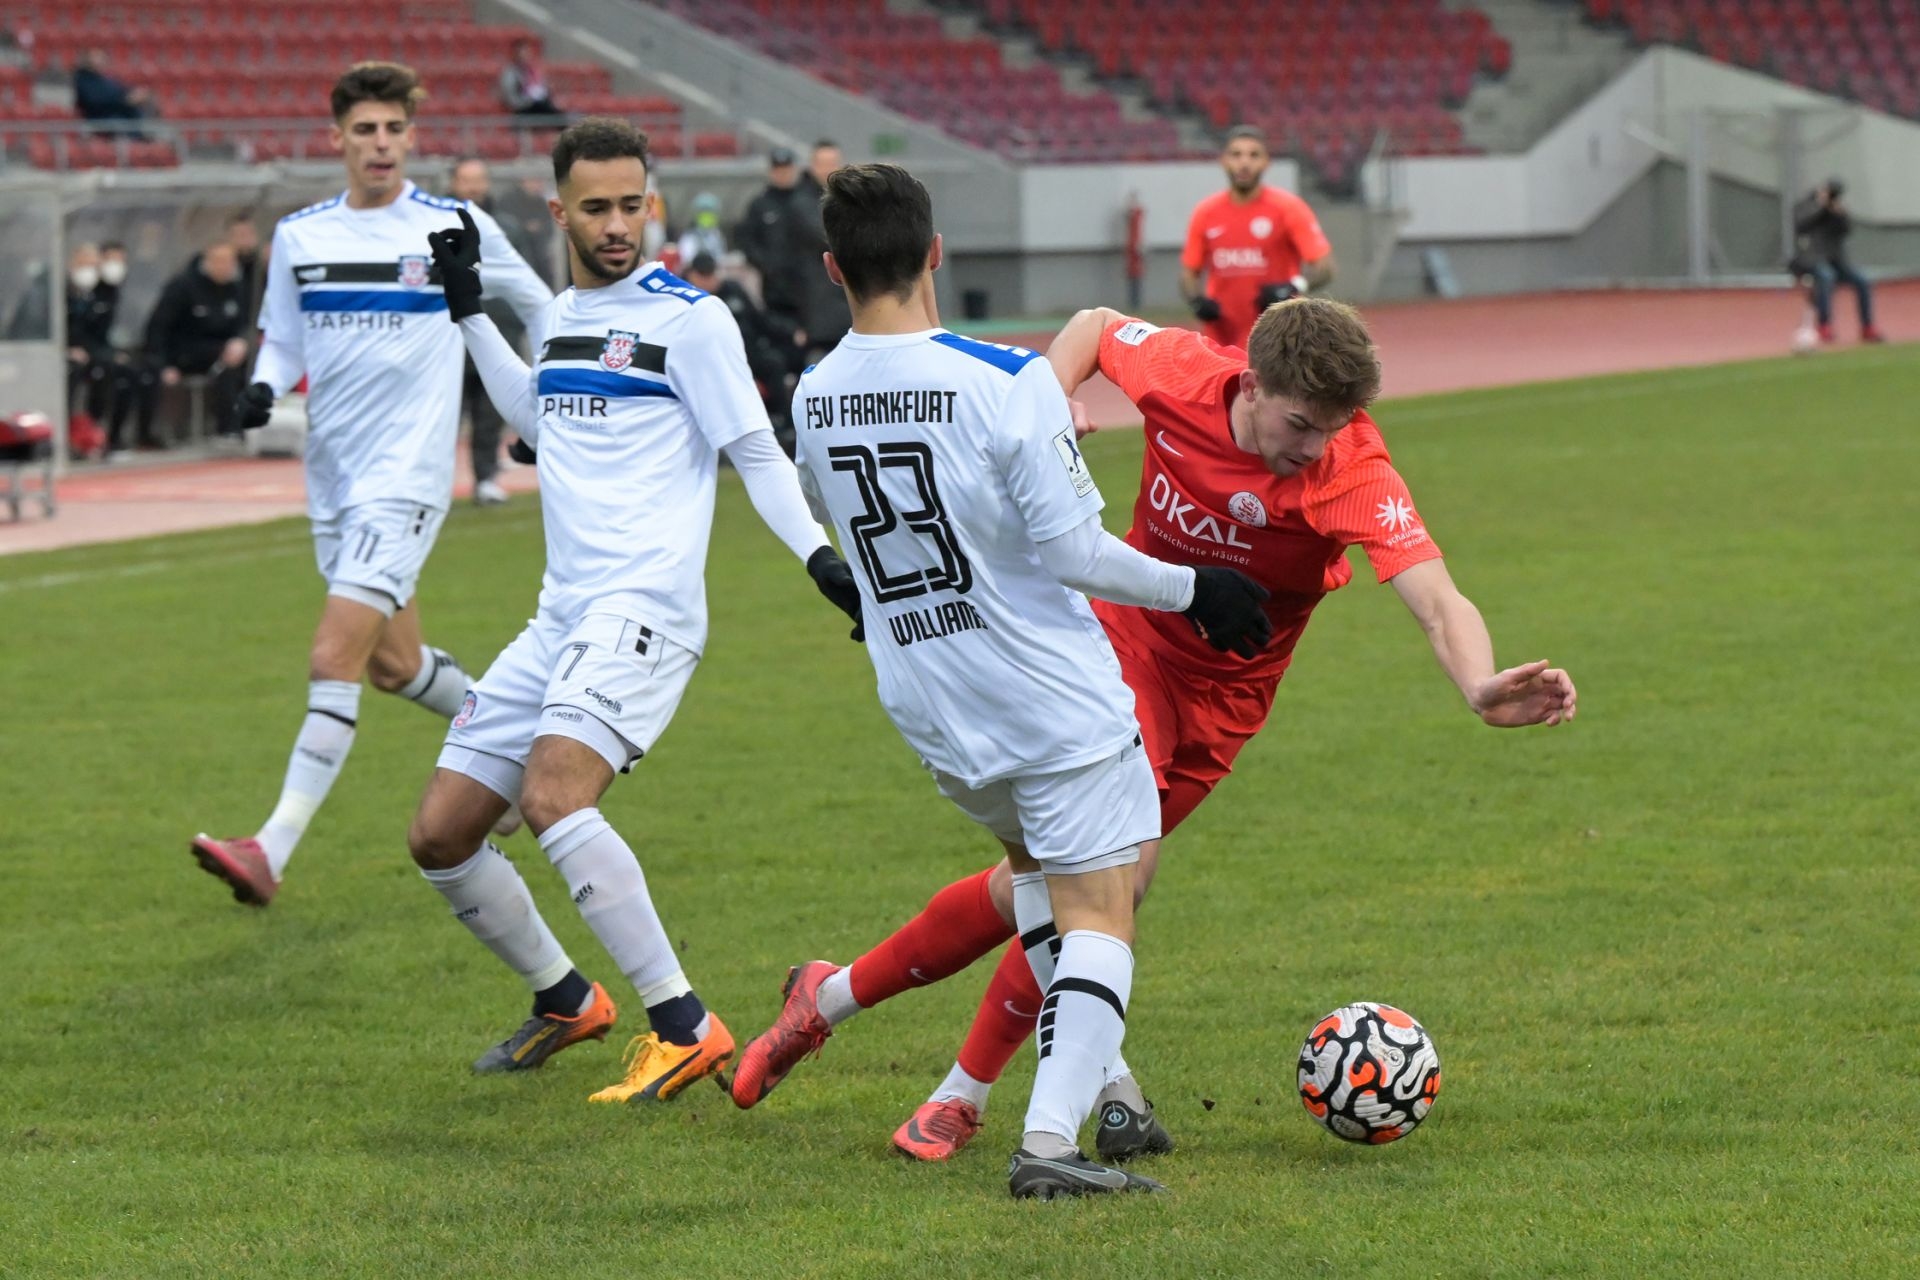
point(1204, 500)
point(1244, 246)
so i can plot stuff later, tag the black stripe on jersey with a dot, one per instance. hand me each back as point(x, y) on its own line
point(646, 356)
point(387, 272)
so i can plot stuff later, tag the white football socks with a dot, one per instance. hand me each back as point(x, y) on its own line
point(440, 685)
point(1082, 1022)
point(1121, 1086)
point(607, 886)
point(319, 752)
point(835, 997)
point(489, 897)
point(1033, 917)
point(962, 1087)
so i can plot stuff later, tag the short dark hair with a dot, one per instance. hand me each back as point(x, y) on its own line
point(598, 138)
point(1240, 131)
point(235, 219)
point(703, 264)
point(377, 82)
point(879, 224)
point(819, 143)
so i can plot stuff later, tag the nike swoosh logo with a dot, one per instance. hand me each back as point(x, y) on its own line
point(1018, 1013)
point(1215, 231)
point(919, 976)
point(1161, 438)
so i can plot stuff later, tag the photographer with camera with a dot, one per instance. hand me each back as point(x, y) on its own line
point(1823, 225)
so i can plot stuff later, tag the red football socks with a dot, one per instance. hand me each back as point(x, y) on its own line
point(1005, 1020)
point(957, 927)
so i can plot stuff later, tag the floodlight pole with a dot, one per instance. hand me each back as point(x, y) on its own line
point(1699, 176)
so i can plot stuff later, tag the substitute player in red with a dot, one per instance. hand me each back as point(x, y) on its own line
point(1255, 244)
point(1265, 461)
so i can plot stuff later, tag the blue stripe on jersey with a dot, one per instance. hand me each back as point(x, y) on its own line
point(370, 300)
point(598, 382)
point(664, 282)
point(1006, 359)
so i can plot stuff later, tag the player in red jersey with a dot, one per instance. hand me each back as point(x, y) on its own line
point(1256, 244)
point(1265, 461)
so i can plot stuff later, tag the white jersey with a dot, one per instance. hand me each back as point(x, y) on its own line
point(941, 462)
point(353, 301)
point(637, 387)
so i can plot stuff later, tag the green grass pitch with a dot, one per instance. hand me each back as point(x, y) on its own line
point(1668, 953)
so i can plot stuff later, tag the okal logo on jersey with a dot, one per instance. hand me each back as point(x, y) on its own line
point(1164, 498)
point(413, 269)
point(617, 354)
point(1247, 509)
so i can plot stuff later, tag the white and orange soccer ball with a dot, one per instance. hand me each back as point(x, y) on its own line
point(1369, 1073)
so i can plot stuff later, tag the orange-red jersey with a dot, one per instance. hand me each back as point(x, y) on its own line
point(1244, 246)
point(1204, 500)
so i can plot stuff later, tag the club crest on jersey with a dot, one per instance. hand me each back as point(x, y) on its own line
point(1261, 227)
point(1248, 509)
point(413, 270)
point(617, 354)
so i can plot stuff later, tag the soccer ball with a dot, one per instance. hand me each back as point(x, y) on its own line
point(1806, 340)
point(1369, 1073)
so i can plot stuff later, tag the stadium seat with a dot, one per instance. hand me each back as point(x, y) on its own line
point(1866, 50)
point(292, 53)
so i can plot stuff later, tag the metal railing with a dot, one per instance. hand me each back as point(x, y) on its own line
point(78, 144)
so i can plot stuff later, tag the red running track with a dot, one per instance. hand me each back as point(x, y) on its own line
point(1426, 347)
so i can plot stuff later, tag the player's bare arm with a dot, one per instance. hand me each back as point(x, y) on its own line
point(1074, 352)
point(1319, 272)
point(1534, 693)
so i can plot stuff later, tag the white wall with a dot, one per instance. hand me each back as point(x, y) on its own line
point(1080, 206)
point(1573, 174)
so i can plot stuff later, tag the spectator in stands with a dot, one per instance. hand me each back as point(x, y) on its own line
point(523, 83)
point(1254, 244)
point(472, 181)
point(90, 308)
point(198, 327)
point(98, 96)
point(823, 163)
point(703, 234)
point(776, 348)
point(827, 315)
point(1823, 224)
point(775, 237)
point(134, 383)
point(244, 236)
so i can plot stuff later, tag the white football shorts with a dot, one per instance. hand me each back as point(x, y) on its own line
point(373, 553)
point(1073, 821)
point(610, 682)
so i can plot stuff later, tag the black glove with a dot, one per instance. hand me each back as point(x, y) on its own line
point(252, 407)
point(1204, 308)
point(521, 452)
point(830, 573)
point(457, 254)
point(1226, 610)
point(1272, 293)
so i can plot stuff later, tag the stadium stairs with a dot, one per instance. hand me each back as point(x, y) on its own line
point(1559, 61)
